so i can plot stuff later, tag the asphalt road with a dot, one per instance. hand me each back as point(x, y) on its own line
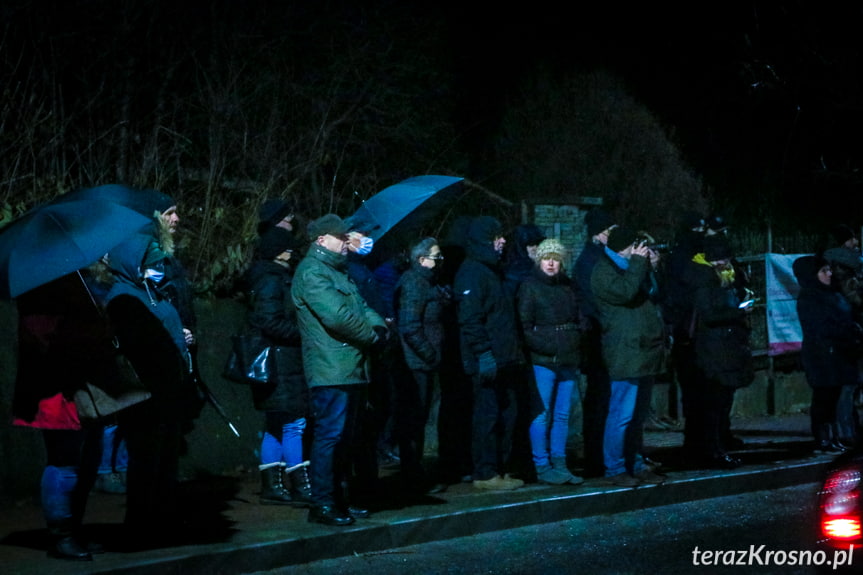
point(671, 539)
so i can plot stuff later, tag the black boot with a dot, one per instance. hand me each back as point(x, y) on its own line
point(824, 441)
point(273, 491)
point(300, 487)
point(64, 545)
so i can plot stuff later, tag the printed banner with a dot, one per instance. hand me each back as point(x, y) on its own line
point(783, 327)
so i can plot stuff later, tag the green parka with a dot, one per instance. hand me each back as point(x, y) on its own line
point(633, 335)
point(336, 324)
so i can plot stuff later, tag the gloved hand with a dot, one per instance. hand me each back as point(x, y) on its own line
point(487, 366)
point(382, 336)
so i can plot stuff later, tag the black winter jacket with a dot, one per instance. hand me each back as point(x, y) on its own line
point(486, 313)
point(274, 316)
point(550, 314)
point(420, 305)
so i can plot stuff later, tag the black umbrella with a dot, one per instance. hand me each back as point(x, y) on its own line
point(53, 240)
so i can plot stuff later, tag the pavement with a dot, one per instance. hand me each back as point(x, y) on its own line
point(232, 533)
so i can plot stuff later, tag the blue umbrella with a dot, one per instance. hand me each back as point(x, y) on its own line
point(56, 239)
point(145, 202)
point(403, 207)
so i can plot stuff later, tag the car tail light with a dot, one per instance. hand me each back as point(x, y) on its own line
point(840, 505)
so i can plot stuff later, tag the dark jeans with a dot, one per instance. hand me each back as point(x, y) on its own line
point(595, 405)
point(494, 414)
point(414, 402)
point(334, 410)
point(68, 477)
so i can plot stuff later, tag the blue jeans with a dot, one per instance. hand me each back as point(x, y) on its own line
point(115, 458)
point(624, 427)
point(69, 474)
point(283, 439)
point(334, 409)
point(549, 430)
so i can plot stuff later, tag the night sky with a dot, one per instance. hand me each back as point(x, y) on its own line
point(762, 99)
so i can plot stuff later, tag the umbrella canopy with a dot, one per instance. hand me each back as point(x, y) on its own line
point(405, 206)
point(56, 239)
point(145, 202)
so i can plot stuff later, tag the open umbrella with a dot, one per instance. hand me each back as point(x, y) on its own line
point(403, 207)
point(53, 240)
point(145, 201)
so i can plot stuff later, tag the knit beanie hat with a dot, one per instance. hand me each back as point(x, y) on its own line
point(275, 241)
point(271, 212)
point(550, 249)
point(620, 238)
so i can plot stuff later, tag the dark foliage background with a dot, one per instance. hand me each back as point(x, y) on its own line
point(750, 109)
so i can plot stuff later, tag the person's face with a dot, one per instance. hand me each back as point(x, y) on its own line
point(498, 244)
point(286, 223)
point(851, 243)
point(825, 275)
point(550, 266)
point(531, 252)
point(432, 259)
point(335, 244)
point(171, 218)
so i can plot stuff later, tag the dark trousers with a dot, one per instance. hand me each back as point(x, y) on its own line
point(822, 411)
point(414, 403)
point(154, 441)
point(494, 414)
point(334, 411)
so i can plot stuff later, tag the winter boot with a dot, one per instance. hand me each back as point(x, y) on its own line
point(273, 491)
point(559, 464)
point(300, 487)
point(551, 476)
point(63, 544)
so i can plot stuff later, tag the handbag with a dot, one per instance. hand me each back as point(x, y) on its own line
point(251, 361)
point(125, 389)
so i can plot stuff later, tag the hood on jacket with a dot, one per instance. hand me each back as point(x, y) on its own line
point(126, 260)
point(806, 271)
point(483, 230)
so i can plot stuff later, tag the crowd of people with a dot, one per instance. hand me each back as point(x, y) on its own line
point(494, 320)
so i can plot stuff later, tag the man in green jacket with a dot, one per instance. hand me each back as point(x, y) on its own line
point(338, 329)
point(633, 348)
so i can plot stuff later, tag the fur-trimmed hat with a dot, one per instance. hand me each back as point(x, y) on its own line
point(550, 249)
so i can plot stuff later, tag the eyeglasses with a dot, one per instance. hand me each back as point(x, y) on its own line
point(437, 257)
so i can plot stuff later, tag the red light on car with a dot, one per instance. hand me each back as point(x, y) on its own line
point(842, 527)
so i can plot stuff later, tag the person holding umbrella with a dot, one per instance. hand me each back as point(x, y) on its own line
point(64, 344)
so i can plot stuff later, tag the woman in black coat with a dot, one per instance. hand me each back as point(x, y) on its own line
point(723, 357)
point(420, 303)
point(831, 346)
point(551, 322)
point(283, 399)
